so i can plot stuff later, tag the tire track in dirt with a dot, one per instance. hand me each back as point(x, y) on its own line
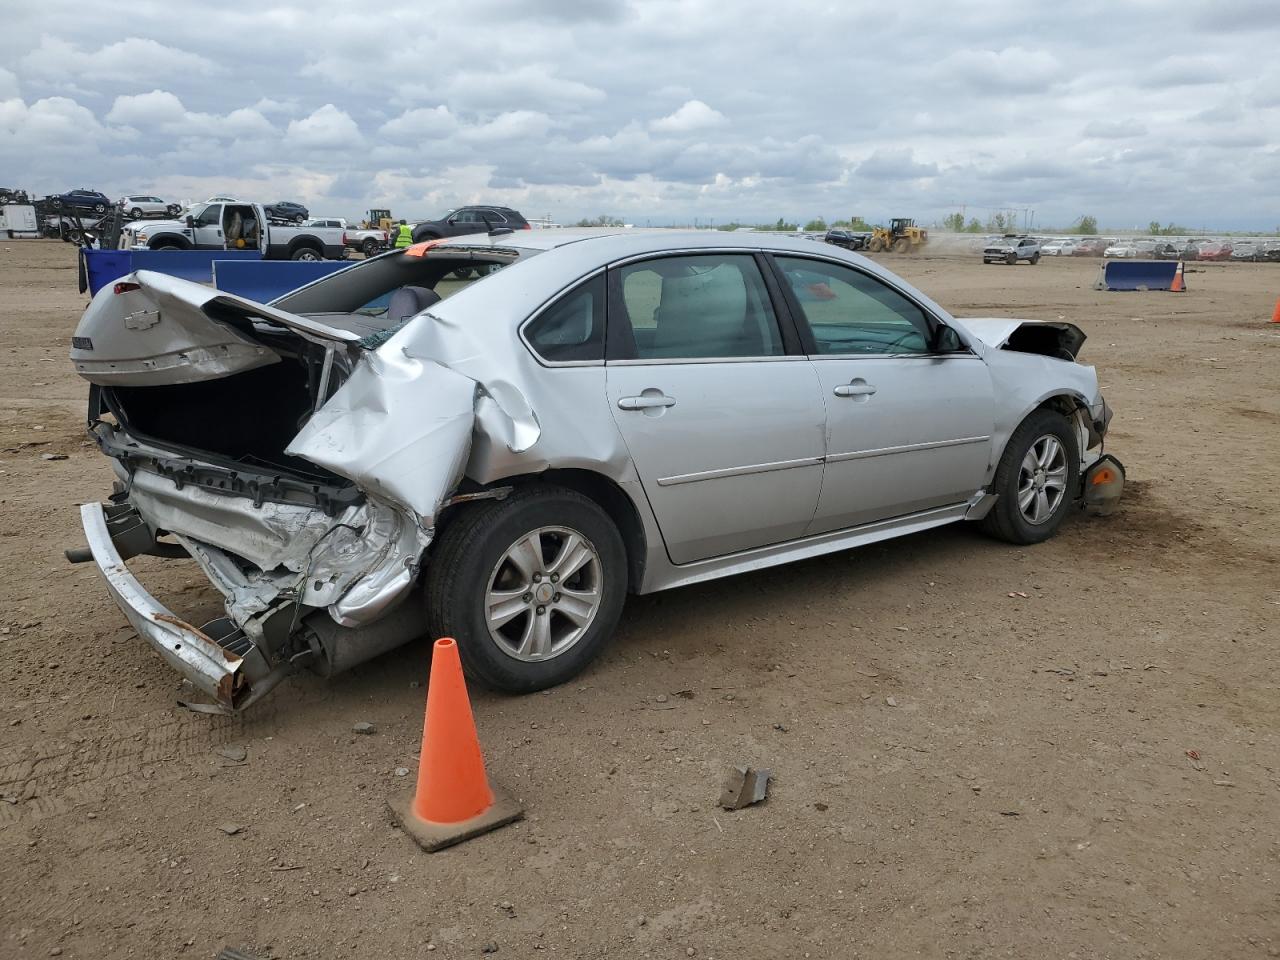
point(52, 776)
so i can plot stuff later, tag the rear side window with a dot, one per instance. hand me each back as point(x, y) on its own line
point(709, 306)
point(571, 328)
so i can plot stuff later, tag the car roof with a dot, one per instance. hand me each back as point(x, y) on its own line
point(612, 243)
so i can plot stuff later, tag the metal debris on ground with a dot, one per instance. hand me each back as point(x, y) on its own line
point(744, 786)
point(231, 953)
point(231, 829)
point(363, 727)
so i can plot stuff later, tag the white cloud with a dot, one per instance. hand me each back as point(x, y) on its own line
point(8, 84)
point(326, 128)
point(694, 115)
point(157, 108)
point(423, 123)
point(130, 59)
point(517, 127)
point(54, 122)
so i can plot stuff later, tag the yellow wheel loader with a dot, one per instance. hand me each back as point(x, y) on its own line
point(901, 236)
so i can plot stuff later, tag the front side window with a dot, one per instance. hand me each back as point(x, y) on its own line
point(850, 312)
point(208, 216)
point(572, 328)
point(698, 307)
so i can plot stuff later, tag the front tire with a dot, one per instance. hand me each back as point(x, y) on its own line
point(1011, 259)
point(1035, 258)
point(1035, 481)
point(136, 213)
point(531, 587)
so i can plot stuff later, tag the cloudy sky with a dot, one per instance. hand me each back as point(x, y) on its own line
point(657, 110)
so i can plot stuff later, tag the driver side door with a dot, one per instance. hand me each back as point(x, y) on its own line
point(208, 228)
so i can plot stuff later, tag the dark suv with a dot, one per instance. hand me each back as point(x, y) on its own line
point(847, 239)
point(287, 210)
point(83, 199)
point(470, 220)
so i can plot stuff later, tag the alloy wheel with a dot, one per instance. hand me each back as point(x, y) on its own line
point(1042, 479)
point(543, 593)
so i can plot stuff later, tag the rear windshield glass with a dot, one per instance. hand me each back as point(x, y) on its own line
point(366, 289)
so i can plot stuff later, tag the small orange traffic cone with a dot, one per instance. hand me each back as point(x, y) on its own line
point(453, 800)
point(1177, 286)
point(1275, 314)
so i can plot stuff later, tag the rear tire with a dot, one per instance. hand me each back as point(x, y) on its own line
point(99, 208)
point(1035, 258)
point(470, 575)
point(1039, 461)
point(369, 247)
point(306, 253)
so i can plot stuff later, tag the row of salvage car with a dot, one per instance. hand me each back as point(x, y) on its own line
point(498, 438)
point(1261, 251)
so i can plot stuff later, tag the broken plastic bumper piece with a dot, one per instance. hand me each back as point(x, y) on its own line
point(222, 663)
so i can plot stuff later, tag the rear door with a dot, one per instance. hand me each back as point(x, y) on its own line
point(908, 428)
point(721, 413)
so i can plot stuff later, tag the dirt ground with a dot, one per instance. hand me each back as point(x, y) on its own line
point(1032, 790)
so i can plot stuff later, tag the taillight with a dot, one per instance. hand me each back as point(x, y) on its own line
point(527, 226)
point(344, 238)
point(126, 287)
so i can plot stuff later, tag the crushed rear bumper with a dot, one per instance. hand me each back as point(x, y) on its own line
point(233, 675)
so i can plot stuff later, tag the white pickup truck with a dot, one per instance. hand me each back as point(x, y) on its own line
point(368, 242)
point(234, 226)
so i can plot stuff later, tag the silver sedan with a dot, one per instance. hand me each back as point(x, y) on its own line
point(497, 438)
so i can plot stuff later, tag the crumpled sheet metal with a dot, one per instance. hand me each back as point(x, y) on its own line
point(399, 428)
point(270, 536)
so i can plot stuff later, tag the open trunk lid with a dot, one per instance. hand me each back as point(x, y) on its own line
point(150, 329)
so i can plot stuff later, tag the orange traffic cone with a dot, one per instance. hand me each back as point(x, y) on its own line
point(1177, 286)
point(1275, 314)
point(453, 800)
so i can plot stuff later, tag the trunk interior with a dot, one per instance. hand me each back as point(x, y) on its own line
point(248, 418)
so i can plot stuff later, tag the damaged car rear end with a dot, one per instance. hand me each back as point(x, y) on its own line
point(209, 407)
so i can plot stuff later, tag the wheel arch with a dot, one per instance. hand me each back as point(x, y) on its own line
point(1066, 401)
point(306, 242)
point(169, 239)
point(605, 492)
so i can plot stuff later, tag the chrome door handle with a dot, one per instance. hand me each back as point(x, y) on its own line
point(858, 389)
point(645, 403)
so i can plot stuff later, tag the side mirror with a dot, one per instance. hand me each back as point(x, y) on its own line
point(191, 222)
point(946, 340)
